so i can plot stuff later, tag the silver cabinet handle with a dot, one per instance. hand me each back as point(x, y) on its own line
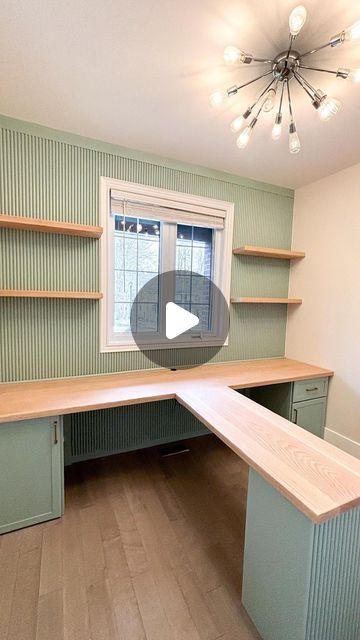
point(56, 436)
point(312, 389)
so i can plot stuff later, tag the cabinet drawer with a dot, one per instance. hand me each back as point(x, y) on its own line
point(310, 414)
point(307, 389)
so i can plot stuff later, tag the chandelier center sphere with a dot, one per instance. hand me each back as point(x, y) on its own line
point(285, 64)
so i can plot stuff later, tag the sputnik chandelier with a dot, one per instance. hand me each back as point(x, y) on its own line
point(285, 67)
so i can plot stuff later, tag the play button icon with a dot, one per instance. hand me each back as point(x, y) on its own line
point(178, 320)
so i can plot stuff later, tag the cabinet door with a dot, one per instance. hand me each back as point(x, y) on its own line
point(310, 414)
point(31, 472)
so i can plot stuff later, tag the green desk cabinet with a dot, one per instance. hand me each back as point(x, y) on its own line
point(31, 472)
point(303, 402)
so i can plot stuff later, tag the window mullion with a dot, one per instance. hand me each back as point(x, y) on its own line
point(168, 263)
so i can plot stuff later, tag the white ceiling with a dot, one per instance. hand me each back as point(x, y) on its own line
point(138, 73)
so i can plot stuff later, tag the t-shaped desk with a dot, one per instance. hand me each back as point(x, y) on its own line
point(302, 547)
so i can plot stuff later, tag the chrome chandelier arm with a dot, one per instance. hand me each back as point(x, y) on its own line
point(302, 84)
point(304, 66)
point(298, 75)
point(262, 94)
point(233, 90)
point(333, 42)
point(292, 40)
point(289, 102)
point(265, 97)
point(264, 60)
point(317, 96)
point(281, 98)
point(339, 73)
point(312, 51)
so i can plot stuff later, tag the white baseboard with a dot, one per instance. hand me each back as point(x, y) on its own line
point(346, 444)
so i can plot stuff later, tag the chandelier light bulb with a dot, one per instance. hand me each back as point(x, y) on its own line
point(297, 19)
point(276, 130)
point(244, 137)
point(353, 32)
point(329, 108)
point(217, 98)
point(294, 140)
point(233, 55)
point(269, 102)
point(354, 75)
point(237, 124)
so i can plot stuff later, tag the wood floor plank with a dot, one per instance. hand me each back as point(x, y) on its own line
point(77, 495)
point(124, 517)
point(199, 610)
point(124, 603)
point(152, 612)
point(231, 615)
point(31, 538)
point(170, 594)
point(51, 578)
point(94, 561)
point(102, 621)
point(9, 556)
point(50, 619)
point(131, 540)
point(97, 487)
point(76, 614)
point(23, 618)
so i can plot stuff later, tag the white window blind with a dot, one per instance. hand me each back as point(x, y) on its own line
point(166, 211)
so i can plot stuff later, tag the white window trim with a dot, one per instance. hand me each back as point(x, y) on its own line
point(154, 195)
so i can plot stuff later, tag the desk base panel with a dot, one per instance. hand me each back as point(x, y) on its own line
point(301, 580)
point(94, 434)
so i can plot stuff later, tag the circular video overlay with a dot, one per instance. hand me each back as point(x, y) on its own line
point(179, 319)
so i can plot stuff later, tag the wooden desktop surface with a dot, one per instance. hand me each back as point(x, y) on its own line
point(319, 479)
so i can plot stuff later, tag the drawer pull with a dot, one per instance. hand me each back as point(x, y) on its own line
point(295, 416)
point(312, 389)
point(56, 437)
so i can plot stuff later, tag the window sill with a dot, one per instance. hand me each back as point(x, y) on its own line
point(113, 348)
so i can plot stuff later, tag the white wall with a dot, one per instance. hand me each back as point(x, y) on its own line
point(325, 329)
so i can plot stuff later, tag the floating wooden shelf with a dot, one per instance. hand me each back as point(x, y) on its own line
point(267, 252)
point(266, 300)
point(49, 226)
point(85, 295)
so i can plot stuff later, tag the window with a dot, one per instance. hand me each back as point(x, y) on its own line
point(150, 231)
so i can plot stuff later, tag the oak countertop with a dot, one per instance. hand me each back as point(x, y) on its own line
point(319, 479)
point(23, 400)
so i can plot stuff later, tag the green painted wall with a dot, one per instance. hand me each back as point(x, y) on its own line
point(55, 175)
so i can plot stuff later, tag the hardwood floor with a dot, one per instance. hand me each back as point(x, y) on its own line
point(149, 548)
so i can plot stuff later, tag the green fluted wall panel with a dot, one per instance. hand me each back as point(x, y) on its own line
point(93, 434)
point(334, 595)
point(301, 580)
point(55, 176)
